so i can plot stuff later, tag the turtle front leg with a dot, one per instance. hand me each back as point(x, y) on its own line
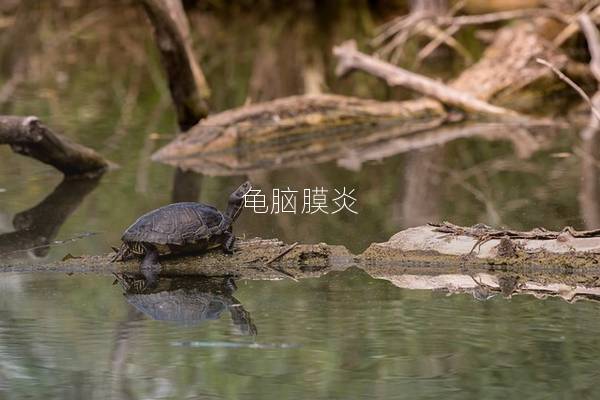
point(228, 242)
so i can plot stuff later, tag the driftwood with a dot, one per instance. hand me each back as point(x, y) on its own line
point(483, 242)
point(506, 67)
point(29, 137)
point(435, 244)
point(368, 144)
point(349, 58)
point(294, 131)
point(187, 84)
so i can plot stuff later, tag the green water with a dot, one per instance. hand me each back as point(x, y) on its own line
point(94, 75)
point(343, 336)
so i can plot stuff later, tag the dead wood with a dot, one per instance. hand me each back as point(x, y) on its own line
point(508, 64)
point(482, 231)
point(293, 131)
point(29, 137)
point(187, 84)
point(349, 58)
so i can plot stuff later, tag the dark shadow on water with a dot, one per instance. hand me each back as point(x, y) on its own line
point(186, 300)
point(36, 228)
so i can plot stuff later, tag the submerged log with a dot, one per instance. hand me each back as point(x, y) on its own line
point(29, 137)
point(406, 263)
point(290, 130)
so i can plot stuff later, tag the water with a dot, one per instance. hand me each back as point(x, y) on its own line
point(96, 77)
point(343, 336)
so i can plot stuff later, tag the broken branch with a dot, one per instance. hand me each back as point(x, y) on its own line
point(29, 137)
point(187, 84)
point(350, 58)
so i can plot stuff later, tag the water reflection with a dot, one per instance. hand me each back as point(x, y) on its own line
point(485, 286)
point(186, 300)
point(36, 228)
point(350, 146)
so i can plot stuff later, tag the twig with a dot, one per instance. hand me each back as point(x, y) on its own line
point(567, 80)
point(278, 256)
point(407, 23)
point(573, 27)
point(284, 252)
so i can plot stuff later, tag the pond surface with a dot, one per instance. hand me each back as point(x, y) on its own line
point(342, 336)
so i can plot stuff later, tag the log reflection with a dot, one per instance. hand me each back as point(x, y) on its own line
point(36, 228)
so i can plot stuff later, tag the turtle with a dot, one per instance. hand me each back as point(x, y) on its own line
point(186, 300)
point(177, 228)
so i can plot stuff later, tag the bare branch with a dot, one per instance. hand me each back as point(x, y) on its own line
point(350, 58)
point(568, 81)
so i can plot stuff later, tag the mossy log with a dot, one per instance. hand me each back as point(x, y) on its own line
point(417, 258)
point(428, 246)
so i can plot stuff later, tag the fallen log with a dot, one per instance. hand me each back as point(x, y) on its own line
point(429, 246)
point(408, 263)
point(29, 137)
point(293, 131)
point(480, 245)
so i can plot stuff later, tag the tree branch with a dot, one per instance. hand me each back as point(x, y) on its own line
point(350, 58)
point(187, 84)
point(29, 137)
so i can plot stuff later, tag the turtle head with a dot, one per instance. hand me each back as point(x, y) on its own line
point(236, 200)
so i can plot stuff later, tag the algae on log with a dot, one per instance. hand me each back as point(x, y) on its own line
point(441, 245)
point(289, 130)
point(251, 260)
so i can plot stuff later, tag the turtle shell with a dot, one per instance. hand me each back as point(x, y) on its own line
point(178, 224)
point(187, 307)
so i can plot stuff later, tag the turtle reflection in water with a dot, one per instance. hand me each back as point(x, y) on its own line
point(188, 300)
point(181, 228)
